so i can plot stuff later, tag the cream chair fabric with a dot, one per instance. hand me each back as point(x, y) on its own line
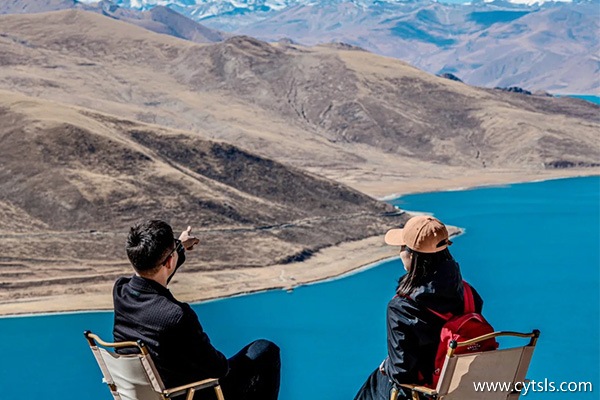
point(134, 376)
point(463, 373)
point(126, 376)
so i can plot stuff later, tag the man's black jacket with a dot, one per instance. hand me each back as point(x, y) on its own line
point(182, 352)
point(413, 332)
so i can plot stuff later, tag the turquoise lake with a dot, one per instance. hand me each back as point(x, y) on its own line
point(587, 97)
point(532, 250)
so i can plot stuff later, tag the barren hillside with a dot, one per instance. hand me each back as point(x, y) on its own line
point(319, 108)
point(103, 123)
point(72, 181)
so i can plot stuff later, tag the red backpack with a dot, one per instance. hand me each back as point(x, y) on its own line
point(460, 328)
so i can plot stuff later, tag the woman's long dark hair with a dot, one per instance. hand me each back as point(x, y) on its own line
point(422, 268)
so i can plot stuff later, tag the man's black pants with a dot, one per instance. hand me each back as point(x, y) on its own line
point(254, 374)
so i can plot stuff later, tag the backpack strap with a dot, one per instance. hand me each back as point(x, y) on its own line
point(469, 299)
point(469, 303)
point(445, 317)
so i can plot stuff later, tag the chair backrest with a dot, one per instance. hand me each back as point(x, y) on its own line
point(489, 375)
point(129, 377)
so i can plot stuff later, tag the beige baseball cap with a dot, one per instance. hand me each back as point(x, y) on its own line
point(422, 233)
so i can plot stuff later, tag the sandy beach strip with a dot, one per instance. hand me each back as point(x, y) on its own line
point(200, 286)
point(463, 180)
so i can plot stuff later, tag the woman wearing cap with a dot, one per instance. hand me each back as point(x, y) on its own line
point(432, 285)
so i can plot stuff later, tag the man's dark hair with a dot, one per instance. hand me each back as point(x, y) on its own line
point(148, 243)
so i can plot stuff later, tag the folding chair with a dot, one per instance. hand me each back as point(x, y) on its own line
point(134, 376)
point(462, 372)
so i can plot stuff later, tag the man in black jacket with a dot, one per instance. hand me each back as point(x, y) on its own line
point(146, 310)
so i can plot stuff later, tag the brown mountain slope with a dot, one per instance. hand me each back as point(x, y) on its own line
point(25, 6)
point(72, 181)
point(159, 19)
point(349, 115)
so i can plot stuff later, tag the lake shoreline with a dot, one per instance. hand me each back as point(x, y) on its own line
point(444, 183)
point(330, 263)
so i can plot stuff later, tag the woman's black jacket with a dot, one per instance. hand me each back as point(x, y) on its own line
point(413, 332)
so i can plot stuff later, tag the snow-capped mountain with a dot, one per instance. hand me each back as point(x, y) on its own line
point(275, 5)
point(217, 6)
point(232, 14)
point(279, 4)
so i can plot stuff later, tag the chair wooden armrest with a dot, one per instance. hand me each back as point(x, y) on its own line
point(421, 389)
point(194, 385)
point(415, 390)
point(533, 338)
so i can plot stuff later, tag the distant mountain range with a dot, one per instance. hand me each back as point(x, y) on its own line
point(206, 8)
point(323, 108)
point(551, 46)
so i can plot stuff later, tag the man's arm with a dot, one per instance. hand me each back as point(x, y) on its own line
point(199, 349)
point(188, 242)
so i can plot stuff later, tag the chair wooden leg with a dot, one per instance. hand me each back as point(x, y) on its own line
point(190, 394)
point(219, 392)
point(394, 394)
